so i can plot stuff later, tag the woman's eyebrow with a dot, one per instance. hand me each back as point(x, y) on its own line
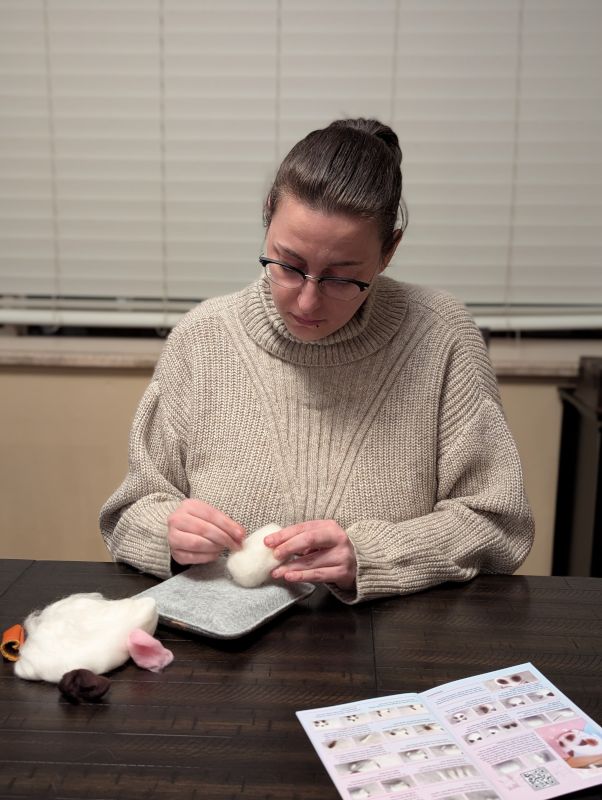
point(287, 251)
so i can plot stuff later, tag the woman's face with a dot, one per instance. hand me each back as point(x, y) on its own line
point(321, 244)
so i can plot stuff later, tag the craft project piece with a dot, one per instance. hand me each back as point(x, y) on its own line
point(252, 565)
point(148, 652)
point(83, 686)
point(12, 642)
point(82, 631)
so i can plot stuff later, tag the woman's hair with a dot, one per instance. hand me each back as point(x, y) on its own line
point(351, 167)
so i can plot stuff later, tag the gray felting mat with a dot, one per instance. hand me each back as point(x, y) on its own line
point(204, 599)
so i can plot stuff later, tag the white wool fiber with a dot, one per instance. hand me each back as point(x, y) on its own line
point(252, 565)
point(82, 631)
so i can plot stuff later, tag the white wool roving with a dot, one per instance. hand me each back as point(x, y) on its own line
point(82, 631)
point(252, 565)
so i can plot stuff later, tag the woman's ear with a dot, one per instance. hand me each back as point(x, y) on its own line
point(388, 254)
point(267, 210)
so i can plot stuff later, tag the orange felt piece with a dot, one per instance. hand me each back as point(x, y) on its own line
point(12, 640)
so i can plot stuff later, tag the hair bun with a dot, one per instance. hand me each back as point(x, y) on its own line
point(351, 167)
point(373, 127)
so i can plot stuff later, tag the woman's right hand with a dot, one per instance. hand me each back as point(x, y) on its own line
point(197, 533)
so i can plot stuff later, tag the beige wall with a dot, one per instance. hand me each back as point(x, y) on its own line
point(63, 435)
point(534, 413)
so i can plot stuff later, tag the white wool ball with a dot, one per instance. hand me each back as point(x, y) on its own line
point(252, 565)
point(82, 631)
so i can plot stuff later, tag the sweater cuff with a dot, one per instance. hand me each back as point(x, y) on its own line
point(375, 577)
point(372, 578)
point(144, 541)
point(419, 553)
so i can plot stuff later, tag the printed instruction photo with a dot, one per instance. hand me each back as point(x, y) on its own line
point(503, 735)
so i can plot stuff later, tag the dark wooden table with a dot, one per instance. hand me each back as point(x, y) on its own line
point(220, 721)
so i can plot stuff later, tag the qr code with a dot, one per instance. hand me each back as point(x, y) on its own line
point(539, 778)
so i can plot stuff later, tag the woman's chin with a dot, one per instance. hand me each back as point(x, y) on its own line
point(306, 330)
point(306, 334)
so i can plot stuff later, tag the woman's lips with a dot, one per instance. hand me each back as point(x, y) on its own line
point(307, 323)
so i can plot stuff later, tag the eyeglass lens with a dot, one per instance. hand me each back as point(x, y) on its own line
point(291, 279)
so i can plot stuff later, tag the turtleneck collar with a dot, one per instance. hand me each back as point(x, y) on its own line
point(373, 325)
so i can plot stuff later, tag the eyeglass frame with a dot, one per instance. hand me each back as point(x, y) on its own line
point(362, 285)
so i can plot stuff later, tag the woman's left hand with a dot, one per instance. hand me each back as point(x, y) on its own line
point(323, 549)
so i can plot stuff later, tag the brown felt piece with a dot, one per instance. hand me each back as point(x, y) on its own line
point(83, 686)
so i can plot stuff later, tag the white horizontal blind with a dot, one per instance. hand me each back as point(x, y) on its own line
point(219, 104)
point(26, 160)
point(138, 139)
point(455, 99)
point(557, 203)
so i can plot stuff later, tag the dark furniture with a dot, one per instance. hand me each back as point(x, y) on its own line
point(219, 722)
point(578, 525)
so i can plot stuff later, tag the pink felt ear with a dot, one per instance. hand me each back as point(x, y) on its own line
point(148, 652)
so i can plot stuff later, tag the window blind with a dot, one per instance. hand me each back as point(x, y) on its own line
point(138, 140)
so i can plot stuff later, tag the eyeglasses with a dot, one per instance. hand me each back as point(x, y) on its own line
point(292, 278)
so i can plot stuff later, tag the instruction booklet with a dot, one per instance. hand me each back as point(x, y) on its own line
point(504, 735)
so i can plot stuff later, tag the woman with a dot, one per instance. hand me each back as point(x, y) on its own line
point(360, 414)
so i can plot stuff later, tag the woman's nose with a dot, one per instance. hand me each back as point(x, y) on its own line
point(309, 295)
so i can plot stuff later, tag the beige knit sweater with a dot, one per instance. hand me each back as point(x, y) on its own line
point(392, 426)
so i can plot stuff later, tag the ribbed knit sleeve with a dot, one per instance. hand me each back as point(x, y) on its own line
point(481, 520)
point(133, 521)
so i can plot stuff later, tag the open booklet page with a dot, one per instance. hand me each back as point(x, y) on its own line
point(504, 734)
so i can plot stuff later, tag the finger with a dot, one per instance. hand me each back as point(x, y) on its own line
point(195, 542)
point(309, 575)
point(208, 530)
point(317, 559)
point(204, 511)
point(308, 538)
point(184, 520)
point(339, 563)
point(284, 534)
point(187, 557)
point(319, 575)
point(344, 574)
